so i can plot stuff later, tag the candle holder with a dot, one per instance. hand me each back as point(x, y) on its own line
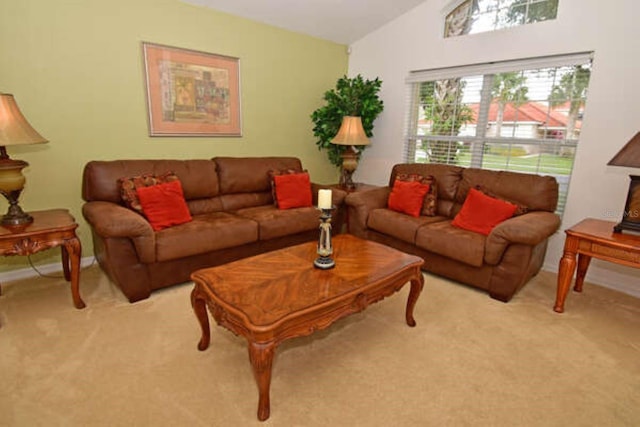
point(325, 250)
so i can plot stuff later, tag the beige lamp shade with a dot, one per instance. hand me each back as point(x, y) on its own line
point(629, 155)
point(351, 132)
point(14, 128)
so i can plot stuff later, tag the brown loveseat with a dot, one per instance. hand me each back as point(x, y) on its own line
point(500, 263)
point(234, 216)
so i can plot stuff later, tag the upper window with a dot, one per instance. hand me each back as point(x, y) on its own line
point(476, 16)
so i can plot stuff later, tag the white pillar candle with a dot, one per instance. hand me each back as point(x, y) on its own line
point(324, 199)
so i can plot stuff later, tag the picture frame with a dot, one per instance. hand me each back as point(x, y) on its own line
point(191, 93)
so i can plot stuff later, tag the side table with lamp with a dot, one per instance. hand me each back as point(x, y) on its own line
point(352, 134)
point(20, 232)
point(604, 239)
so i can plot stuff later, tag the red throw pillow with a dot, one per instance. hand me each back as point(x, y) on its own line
point(430, 205)
point(273, 173)
point(130, 185)
point(164, 205)
point(407, 197)
point(480, 213)
point(293, 190)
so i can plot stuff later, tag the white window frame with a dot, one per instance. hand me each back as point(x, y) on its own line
point(415, 78)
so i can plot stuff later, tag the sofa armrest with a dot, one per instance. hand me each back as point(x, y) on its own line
point(110, 220)
point(529, 229)
point(337, 195)
point(361, 203)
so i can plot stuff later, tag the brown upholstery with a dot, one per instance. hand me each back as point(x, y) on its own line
point(500, 263)
point(233, 213)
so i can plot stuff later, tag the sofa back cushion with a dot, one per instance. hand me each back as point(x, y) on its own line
point(100, 178)
point(251, 174)
point(245, 181)
point(535, 192)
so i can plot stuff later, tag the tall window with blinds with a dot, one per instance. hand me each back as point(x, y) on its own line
point(523, 116)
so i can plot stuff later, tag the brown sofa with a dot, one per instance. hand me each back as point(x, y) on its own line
point(233, 213)
point(500, 263)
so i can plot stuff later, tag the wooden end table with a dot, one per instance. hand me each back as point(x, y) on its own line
point(280, 295)
point(593, 238)
point(49, 229)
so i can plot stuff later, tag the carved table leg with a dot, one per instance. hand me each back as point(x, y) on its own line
point(200, 309)
point(565, 273)
point(71, 251)
point(414, 293)
point(261, 357)
point(583, 265)
point(65, 263)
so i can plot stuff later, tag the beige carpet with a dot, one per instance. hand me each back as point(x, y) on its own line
point(470, 361)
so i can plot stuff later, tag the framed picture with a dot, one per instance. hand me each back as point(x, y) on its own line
point(191, 93)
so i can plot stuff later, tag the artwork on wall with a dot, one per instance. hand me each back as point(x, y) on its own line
point(191, 93)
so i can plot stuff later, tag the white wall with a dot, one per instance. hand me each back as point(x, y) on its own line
point(612, 113)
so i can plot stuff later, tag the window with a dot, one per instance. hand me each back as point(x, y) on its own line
point(476, 16)
point(522, 116)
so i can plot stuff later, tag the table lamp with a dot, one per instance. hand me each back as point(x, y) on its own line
point(14, 130)
point(351, 133)
point(629, 156)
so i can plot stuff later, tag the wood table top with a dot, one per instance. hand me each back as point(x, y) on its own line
point(43, 221)
point(602, 231)
point(271, 287)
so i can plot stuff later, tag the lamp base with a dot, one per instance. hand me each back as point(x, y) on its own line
point(349, 166)
point(631, 216)
point(15, 216)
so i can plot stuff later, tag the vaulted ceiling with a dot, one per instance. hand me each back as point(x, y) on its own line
point(341, 21)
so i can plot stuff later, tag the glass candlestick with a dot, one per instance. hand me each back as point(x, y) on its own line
point(325, 250)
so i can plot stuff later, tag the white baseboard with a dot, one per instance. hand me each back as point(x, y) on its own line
point(608, 275)
point(26, 273)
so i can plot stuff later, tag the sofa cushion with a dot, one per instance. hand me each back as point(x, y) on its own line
point(205, 233)
point(273, 222)
point(398, 225)
point(293, 190)
point(100, 177)
point(407, 197)
point(251, 174)
point(446, 240)
point(163, 205)
point(538, 193)
point(480, 213)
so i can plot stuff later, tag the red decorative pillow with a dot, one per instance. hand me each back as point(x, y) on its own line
point(293, 190)
point(164, 205)
point(430, 205)
point(130, 185)
point(480, 213)
point(273, 174)
point(520, 210)
point(407, 197)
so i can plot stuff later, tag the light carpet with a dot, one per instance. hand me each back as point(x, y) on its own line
point(470, 361)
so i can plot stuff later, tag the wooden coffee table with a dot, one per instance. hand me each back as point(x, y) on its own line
point(280, 295)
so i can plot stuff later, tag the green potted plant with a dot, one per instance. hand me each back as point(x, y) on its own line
point(351, 97)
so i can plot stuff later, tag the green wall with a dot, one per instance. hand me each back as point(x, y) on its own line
point(75, 68)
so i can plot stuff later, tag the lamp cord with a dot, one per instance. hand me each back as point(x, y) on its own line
point(41, 274)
